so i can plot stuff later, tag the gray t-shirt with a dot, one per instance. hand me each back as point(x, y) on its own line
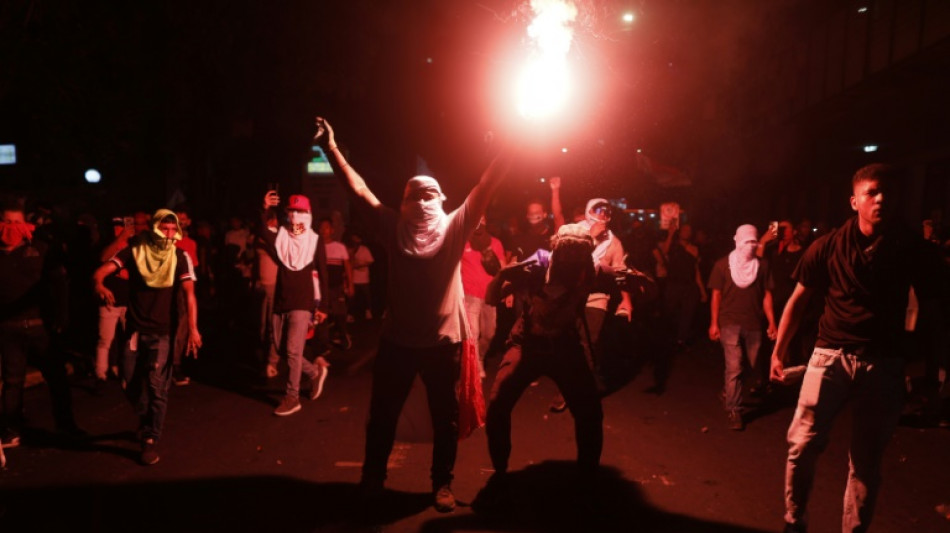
point(425, 295)
point(740, 306)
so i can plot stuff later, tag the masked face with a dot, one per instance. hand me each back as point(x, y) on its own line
point(747, 248)
point(299, 221)
point(420, 205)
point(535, 214)
point(14, 229)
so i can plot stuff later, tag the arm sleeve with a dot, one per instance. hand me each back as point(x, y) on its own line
point(185, 268)
point(123, 257)
point(812, 269)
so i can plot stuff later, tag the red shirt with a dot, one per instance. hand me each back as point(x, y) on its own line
point(474, 278)
point(190, 247)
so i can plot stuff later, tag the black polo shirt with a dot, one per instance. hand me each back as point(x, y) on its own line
point(152, 310)
point(865, 284)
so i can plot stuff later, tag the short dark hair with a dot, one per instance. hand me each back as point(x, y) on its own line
point(169, 219)
point(875, 171)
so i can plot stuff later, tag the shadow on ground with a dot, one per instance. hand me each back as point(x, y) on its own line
point(220, 504)
point(545, 497)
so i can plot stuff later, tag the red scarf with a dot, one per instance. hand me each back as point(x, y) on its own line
point(14, 233)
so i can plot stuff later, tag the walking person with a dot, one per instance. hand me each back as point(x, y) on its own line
point(865, 270)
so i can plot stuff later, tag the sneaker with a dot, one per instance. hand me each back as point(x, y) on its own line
point(10, 439)
point(558, 405)
point(316, 387)
point(444, 499)
point(271, 371)
point(288, 406)
point(180, 378)
point(735, 421)
point(149, 455)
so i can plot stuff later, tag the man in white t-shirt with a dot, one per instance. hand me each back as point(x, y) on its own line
point(425, 324)
point(339, 283)
point(361, 258)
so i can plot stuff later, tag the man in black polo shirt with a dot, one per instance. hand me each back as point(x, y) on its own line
point(157, 270)
point(865, 269)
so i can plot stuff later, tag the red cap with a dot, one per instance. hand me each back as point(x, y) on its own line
point(299, 202)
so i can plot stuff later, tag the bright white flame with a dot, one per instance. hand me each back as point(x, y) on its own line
point(862, 9)
point(564, 150)
point(544, 84)
point(93, 176)
point(870, 148)
point(628, 17)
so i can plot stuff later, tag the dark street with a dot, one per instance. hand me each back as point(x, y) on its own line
point(669, 462)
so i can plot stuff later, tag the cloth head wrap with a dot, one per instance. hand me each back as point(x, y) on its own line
point(420, 231)
point(743, 265)
point(154, 253)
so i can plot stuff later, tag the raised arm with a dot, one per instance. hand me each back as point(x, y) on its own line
point(557, 211)
point(492, 177)
point(347, 175)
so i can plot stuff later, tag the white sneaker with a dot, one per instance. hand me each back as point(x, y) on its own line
point(323, 369)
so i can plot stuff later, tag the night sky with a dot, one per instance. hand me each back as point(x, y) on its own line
point(216, 98)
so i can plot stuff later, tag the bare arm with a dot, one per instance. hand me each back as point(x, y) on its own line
point(556, 209)
point(98, 277)
point(791, 318)
point(347, 175)
point(670, 232)
point(769, 314)
point(714, 314)
point(194, 338)
point(702, 288)
point(492, 177)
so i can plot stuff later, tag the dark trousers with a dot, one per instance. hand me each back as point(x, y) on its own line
point(18, 346)
point(680, 301)
point(563, 362)
point(148, 376)
point(393, 373)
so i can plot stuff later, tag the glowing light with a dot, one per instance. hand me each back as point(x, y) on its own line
point(870, 148)
point(564, 150)
point(544, 84)
point(93, 176)
point(863, 9)
point(628, 17)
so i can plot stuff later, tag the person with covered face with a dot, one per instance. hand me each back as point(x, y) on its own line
point(608, 258)
point(741, 288)
point(32, 306)
point(425, 325)
point(552, 290)
point(300, 255)
point(158, 270)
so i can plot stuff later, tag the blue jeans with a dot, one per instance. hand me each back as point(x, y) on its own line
point(296, 324)
point(147, 371)
point(729, 337)
point(875, 388)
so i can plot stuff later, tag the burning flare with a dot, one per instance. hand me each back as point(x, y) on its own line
point(544, 84)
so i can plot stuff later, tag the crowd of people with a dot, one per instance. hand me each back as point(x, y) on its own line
point(587, 302)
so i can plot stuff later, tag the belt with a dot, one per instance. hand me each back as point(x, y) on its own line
point(25, 323)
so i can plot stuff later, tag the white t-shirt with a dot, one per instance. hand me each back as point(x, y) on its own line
point(425, 295)
point(336, 255)
point(362, 259)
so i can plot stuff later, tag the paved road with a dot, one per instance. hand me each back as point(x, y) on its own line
point(227, 463)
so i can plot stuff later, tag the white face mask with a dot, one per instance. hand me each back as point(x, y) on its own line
point(422, 211)
point(300, 222)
